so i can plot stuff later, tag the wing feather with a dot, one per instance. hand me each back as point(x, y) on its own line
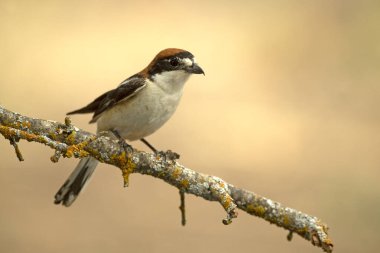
point(125, 90)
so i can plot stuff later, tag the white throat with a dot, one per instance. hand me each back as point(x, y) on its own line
point(171, 81)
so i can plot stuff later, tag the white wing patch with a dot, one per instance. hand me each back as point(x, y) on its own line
point(127, 81)
point(134, 93)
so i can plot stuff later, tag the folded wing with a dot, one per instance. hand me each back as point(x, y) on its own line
point(125, 90)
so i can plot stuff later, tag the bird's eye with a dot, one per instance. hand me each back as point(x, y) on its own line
point(174, 62)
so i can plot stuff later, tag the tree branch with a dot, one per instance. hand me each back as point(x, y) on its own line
point(68, 141)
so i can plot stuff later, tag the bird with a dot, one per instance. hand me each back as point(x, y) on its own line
point(136, 108)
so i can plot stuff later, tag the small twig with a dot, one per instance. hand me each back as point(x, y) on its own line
point(68, 121)
point(57, 154)
point(182, 207)
point(290, 236)
point(219, 189)
point(13, 142)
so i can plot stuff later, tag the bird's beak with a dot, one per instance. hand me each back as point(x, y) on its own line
point(195, 69)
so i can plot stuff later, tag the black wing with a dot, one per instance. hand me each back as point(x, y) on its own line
point(126, 89)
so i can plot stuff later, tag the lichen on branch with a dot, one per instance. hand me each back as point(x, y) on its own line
point(70, 141)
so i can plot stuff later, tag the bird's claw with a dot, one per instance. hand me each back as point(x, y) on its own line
point(168, 155)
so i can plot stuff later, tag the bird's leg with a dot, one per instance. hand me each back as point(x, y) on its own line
point(122, 141)
point(149, 145)
point(169, 155)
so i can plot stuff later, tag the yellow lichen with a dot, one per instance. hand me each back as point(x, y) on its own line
point(176, 173)
point(227, 203)
point(53, 135)
point(303, 230)
point(329, 242)
point(26, 124)
point(286, 220)
point(78, 149)
point(185, 183)
point(250, 208)
point(126, 164)
point(71, 138)
point(256, 209)
point(6, 132)
point(70, 151)
point(121, 159)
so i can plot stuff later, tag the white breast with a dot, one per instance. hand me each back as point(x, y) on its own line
point(143, 114)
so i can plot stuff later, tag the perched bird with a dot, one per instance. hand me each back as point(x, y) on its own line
point(138, 107)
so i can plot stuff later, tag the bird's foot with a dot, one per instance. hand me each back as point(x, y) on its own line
point(168, 155)
point(128, 148)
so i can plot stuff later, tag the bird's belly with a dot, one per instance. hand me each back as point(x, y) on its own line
point(139, 116)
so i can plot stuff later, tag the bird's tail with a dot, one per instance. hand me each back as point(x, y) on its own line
point(70, 190)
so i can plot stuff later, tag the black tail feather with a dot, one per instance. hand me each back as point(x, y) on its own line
point(70, 190)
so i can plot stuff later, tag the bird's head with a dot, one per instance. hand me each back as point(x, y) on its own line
point(173, 60)
point(171, 68)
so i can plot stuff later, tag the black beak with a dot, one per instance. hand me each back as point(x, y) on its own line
point(195, 69)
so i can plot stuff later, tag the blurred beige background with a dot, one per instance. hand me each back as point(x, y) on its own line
point(289, 108)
